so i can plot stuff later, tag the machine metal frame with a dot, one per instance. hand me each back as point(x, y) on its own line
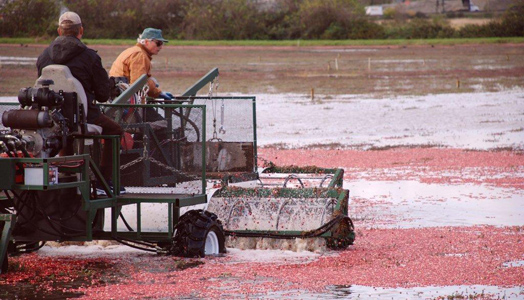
point(338, 231)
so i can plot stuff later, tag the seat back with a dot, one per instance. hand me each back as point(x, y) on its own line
point(65, 81)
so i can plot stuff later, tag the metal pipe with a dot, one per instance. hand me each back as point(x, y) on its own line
point(210, 76)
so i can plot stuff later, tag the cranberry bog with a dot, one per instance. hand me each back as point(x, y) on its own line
point(431, 140)
point(381, 71)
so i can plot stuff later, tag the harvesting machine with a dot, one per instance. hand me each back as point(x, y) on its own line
point(189, 166)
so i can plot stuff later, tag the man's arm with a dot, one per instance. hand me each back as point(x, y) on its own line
point(38, 64)
point(101, 83)
point(42, 62)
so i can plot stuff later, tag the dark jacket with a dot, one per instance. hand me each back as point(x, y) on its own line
point(85, 65)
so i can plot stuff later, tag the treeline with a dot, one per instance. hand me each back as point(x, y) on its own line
point(238, 20)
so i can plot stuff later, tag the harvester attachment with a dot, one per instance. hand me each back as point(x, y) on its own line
point(292, 210)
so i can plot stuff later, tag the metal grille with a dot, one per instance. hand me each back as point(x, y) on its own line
point(230, 119)
point(230, 133)
point(154, 147)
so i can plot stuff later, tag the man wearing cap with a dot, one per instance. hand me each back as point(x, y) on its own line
point(86, 66)
point(136, 61)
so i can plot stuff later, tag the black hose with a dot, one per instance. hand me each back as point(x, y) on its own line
point(125, 222)
point(127, 243)
point(46, 216)
point(307, 234)
point(30, 199)
point(19, 209)
point(193, 124)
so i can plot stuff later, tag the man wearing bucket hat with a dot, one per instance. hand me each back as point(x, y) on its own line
point(86, 66)
point(136, 61)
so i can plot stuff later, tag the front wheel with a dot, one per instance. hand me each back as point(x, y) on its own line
point(198, 233)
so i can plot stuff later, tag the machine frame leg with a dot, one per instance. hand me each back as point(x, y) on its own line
point(8, 220)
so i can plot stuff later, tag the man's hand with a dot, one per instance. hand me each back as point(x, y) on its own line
point(166, 96)
point(114, 81)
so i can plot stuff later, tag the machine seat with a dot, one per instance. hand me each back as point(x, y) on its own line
point(64, 80)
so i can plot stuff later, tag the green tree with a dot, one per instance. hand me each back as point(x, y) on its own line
point(222, 19)
point(108, 18)
point(282, 22)
point(167, 15)
point(29, 18)
point(513, 20)
point(510, 24)
point(418, 28)
point(100, 18)
point(334, 19)
point(126, 19)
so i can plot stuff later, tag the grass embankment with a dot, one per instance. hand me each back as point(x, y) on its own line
point(299, 43)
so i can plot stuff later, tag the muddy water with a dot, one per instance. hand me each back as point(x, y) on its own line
point(14, 60)
point(467, 120)
point(433, 292)
point(470, 121)
point(412, 204)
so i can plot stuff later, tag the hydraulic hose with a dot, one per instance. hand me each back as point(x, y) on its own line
point(307, 234)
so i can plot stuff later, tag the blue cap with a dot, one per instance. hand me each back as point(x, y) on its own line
point(153, 34)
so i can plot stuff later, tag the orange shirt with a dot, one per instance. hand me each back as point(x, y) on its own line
point(133, 63)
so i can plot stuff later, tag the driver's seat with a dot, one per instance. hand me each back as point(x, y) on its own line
point(65, 81)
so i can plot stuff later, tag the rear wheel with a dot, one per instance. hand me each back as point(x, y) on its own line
point(198, 233)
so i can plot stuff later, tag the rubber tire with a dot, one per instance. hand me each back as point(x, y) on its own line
point(191, 233)
point(339, 244)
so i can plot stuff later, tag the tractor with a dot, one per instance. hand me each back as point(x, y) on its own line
point(190, 167)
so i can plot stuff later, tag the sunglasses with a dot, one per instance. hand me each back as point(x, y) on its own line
point(158, 43)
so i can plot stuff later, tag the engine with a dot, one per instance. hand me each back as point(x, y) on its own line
point(43, 124)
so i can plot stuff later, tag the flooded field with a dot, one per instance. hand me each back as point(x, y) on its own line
point(468, 120)
point(383, 71)
point(435, 173)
